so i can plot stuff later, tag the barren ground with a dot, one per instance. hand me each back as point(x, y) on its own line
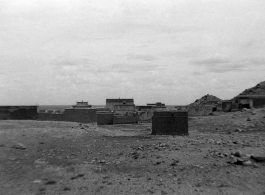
point(71, 158)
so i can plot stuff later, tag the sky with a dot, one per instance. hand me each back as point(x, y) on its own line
point(174, 51)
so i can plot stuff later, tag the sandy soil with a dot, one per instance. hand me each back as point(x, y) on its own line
point(218, 157)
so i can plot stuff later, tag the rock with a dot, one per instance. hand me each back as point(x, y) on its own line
point(157, 163)
point(247, 163)
point(50, 182)
point(238, 130)
point(66, 188)
point(248, 119)
point(19, 146)
point(244, 110)
point(238, 153)
point(2, 145)
point(40, 161)
point(77, 176)
point(37, 181)
point(175, 162)
point(258, 158)
point(253, 113)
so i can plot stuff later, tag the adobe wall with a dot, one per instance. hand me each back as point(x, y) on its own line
point(124, 108)
point(104, 118)
point(18, 112)
point(80, 115)
point(50, 117)
point(125, 119)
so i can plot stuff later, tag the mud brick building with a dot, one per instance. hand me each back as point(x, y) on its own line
point(82, 105)
point(110, 103)
point(124, 108)
point(170, 123)
point(18, 112)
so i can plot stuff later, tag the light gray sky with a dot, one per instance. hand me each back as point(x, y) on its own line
point(174, 51)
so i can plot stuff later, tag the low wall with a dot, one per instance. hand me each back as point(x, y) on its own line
point(104, 118)
point(50, 117)
point(80, 115)
point(18, 112)
point(125, 119)
point(145, 115)
point(71, 115)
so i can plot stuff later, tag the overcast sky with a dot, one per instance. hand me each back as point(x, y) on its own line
point(174, 51)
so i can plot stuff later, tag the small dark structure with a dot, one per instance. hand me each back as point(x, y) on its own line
point(170, 123)
point(18, 112)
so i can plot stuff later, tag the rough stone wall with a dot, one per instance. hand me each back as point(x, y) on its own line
point(258, 102)
point(125, 119)
point(170, 123)
point(226, 106)
point(18, 112)
point(104, 118)
point(204, 110)
point(196, 110)
point(80, 115)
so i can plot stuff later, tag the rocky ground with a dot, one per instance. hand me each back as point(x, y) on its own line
point(224, 154)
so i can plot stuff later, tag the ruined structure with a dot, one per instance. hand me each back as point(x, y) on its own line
point(248, 101)
point(18, 112)
point(170, 123)
point(196, 110)
point(253, 97)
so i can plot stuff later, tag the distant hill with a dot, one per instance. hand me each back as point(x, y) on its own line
point(259, 89)
point(207, 99)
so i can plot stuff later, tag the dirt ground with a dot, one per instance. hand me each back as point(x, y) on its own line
point(222, 155)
